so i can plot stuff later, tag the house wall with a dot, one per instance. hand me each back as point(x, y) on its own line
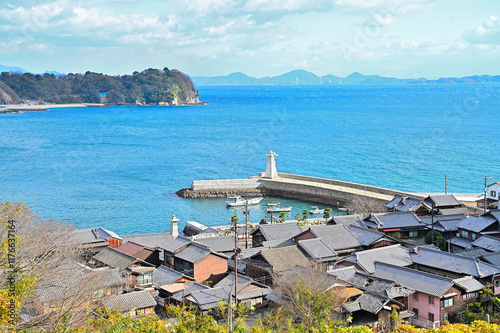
point(424, 307)
point(496, 189)
point(380, 244)
point(259, 274)
point(307, 235)
point(459, 305)
point(208, 266)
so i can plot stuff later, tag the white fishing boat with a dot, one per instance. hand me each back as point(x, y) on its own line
point(239, 201)
point(276, 208)
point(316, 211)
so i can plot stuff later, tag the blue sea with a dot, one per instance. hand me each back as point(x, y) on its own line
point(119, 167)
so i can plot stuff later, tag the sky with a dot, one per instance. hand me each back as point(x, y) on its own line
point(396, 38)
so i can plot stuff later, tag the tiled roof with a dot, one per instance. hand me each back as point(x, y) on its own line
point(461, 242)
point(218, 244)
point(403, 203)
point(279, 230)
point(193, 288)
point(454, 211)
point(420, 281)
point(495, 213)
point(165, 276)
point(107, 233)
point(477, 223)
point(347, 219)
point(489, 243)
point(158, 240)
point(228, 282)
point(131, 301)
point(209, 298)
point(396, 220)
point(493, 258)
point(444, 223)
point(317, 249)
point(278, 243)
point(176, 244)
point(85, 236)
point(393, 254)
point(283, 258)
point(114, 258)
point(469, 284)
point(338, 237)
point(193, 252)
point(365, 236)
point(443, 200)
point(452, 262)
point(343, 273)
point(130, 248)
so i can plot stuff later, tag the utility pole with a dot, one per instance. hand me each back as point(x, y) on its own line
point(246, 212)
point(432, 222)
point(230, 314)
point(485, 190)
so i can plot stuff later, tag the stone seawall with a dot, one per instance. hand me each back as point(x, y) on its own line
point(320, 190)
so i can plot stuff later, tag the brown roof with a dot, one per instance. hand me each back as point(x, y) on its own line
point(131, 248)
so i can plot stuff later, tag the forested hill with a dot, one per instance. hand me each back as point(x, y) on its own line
point(151, 87)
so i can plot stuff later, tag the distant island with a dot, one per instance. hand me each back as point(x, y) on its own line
point(149, 87)
point(302, 77)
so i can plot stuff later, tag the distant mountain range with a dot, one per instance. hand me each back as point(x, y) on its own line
point(12, 69)
point(302, 77)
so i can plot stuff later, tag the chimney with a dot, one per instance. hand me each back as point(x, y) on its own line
point(174, 229)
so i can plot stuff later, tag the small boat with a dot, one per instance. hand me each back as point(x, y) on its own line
point(276, 208)
point(239, 201)
point(316, 211)
point(341, 209)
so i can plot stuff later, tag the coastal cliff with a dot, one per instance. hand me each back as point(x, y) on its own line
point(149, 87)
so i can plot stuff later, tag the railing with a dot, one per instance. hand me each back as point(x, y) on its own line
point(427, 324)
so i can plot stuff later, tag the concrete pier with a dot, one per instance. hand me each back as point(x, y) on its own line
point(321, 190)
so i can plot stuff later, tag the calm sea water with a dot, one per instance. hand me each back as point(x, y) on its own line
point(119, 167)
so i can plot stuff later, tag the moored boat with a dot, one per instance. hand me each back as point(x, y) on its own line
point(239, 201)
point(316, 211)
point(276, 208)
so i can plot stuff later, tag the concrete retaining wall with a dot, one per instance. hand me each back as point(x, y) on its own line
point(225, 184)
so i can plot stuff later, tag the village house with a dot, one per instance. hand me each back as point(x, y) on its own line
point(364, 261)
point(131, 304)
point(473, 227)
point(346, 220)
point(137, 272)
point(455, 266)
point(399, 224)
point(249, 293)
point(437, 298)
point(142, 252)
point(446, 225)
point(337, 237)
point(273, 232)
point(403, 203)
point(442, 204)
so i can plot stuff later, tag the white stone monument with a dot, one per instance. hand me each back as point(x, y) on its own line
point(271, 165)
point(174, 229)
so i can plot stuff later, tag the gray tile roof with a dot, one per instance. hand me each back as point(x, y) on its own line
point(228, 282)
point(193, 252)
point(283, 258)
point(489, 243)
point(193, 288)
point(343, 273)
point(452, 262)
point(477, 223)
point(461, 242)
point(454, 211)
point(366, 236)
point(395, 220)
point(106, 234)
point(440, 201)
point(420, 281)
point(131, 301)
point(85, 236)
point(164, 276)
point(114, 258)
point(495, 213)
point(492, 258)
point(393, 254)
point(158, 240)
point(348, 219)
point(317, 249)
point(338, 237)
point(279, 230)
point(176, 244)
point(444, 223)
point(209, 298)
point(403, 203)
point(469, 284)
point(218, 244)
point(278, 243)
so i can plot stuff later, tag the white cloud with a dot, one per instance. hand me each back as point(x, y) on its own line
point(487, 33)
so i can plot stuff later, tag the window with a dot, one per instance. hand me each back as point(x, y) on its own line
point(448, 302)
point(139, 311)
point(473, 236)
point(413, 234)
point(493, 194)
point(445, 317)
point(431, 299)
point(497, 283)
point(415, 311)
point(146, 278)
point(470, 295)
point(415, 296)
point(431, 316)
point(465, 234)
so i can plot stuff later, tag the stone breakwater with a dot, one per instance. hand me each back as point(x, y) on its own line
point(320, 190)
